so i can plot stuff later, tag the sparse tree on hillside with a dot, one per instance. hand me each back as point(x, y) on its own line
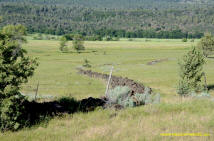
point(191, 72)
point(78, 43)
point(207, 44)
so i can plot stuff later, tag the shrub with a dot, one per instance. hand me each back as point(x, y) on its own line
point(38, 37)
point(86, 64)
point(207, 45)
point(12, 112)
point(116, 39)
point(47, 37)
point(63, 45)
point(191, 72)
point(93, 38)
point(203, 94)
point(147, 40)
point(108, 38)
point(121, 96)
point(184, 40)
point(118, 94)
point(78, 43)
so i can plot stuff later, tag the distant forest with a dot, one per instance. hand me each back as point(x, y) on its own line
point(115, 18)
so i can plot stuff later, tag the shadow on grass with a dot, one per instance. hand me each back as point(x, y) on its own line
point(37, 113)
point(210, 87)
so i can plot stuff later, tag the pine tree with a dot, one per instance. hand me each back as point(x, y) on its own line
point(191, 72)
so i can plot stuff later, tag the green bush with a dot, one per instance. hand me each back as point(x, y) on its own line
point(93, 38)
point(116, 39)
point(108, 38)
point(147, 40)
point(38, 37)
point(207, 44)
point(63, 45)
point(12, 112)
point(78, 43)
point(184, 40)
point(86, 64)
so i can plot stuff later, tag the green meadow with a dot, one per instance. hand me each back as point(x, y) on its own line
point(57, 76)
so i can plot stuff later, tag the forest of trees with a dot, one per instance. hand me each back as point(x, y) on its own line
point(121, 4)
point(132, 19)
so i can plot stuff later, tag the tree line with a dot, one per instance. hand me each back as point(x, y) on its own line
point(183, 22)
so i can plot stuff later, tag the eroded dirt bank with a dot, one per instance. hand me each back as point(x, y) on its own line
point(116, 81)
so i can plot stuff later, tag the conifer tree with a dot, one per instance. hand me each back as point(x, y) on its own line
point(191, 72)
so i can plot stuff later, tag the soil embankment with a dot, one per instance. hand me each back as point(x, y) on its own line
point(157, 61)
point(116, 81)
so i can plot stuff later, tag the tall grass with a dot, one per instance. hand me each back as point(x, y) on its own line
point(57, 76)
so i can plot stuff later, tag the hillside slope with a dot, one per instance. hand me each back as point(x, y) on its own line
point(96, 16)
point(119, 4)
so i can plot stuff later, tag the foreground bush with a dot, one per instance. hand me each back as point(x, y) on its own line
point(12, 113)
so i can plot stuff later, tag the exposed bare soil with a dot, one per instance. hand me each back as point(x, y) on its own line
point(157, 61)
point(116, 81)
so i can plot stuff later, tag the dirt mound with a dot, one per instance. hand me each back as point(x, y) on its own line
point(89, 104)
point(157, 61)
point(116, 81)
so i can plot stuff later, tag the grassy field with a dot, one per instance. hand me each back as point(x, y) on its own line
point(58, 77)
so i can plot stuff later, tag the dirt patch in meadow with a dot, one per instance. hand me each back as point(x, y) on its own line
point(116, 81)
point(157, 61)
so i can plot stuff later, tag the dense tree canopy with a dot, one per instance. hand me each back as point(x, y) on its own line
point(121, 4)
point(160, 19)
